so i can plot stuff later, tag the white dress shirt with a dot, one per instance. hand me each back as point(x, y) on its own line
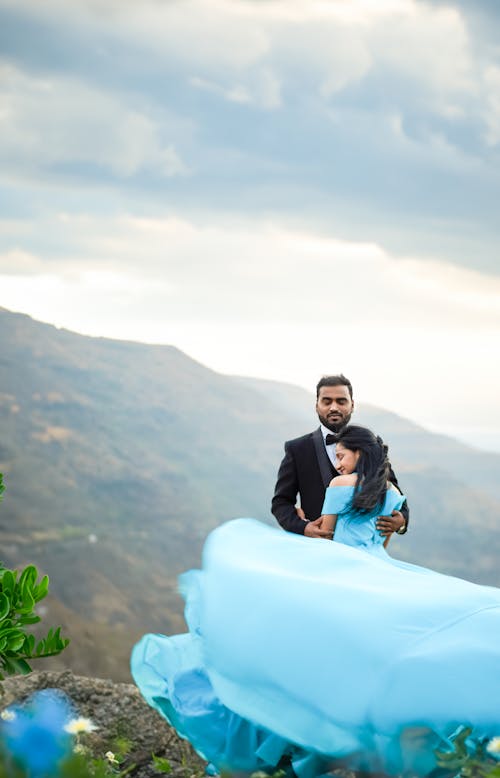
point(330, 449)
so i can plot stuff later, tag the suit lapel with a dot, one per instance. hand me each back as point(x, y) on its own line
point(325, 466)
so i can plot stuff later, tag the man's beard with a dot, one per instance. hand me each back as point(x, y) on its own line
point(337, 425)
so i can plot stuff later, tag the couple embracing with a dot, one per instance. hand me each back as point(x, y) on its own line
point(301, 652)
point(312, 461)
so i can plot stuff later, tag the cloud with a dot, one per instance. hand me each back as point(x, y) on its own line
point(276, 187)
point(258, 298)
point(335, 43)
point(492, 106)
point(378, 121)
point(262, 272)
point(55, 121)
point(428, 46)
point(263, 92)
point(20, 263)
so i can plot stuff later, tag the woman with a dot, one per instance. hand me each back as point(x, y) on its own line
point(313, 650)
point(361, 492)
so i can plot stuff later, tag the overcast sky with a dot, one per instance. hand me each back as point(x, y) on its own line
point(281, 188)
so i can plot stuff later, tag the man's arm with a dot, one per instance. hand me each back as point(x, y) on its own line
point(285, 495)
point(405, 511)
point(398, 520)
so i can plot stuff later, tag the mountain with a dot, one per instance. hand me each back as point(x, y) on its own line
point(120, 457)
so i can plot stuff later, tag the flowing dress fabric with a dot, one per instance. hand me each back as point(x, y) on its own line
point(318, 649)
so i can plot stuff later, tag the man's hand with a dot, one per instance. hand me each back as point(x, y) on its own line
point(386, 525)
point(313, 530)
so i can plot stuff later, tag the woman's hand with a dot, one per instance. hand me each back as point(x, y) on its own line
point(313, 530)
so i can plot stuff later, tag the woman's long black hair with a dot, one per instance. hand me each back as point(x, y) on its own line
point(372, 468)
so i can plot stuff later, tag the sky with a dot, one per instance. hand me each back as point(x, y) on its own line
point(280, 188)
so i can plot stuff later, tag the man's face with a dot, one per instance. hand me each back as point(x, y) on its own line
point(334, 407)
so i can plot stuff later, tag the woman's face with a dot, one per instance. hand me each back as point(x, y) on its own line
point(345, 459)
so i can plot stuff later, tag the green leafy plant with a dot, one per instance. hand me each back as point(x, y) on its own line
point(469, 757)
point(82, 764)
point(161, 764)
point(19, 594)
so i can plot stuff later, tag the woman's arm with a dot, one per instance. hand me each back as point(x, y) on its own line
point(328, 522)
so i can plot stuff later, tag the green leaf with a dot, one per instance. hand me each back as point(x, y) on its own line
point(11, 633)
point(15, 641)
point(15, 666)
point(28, 603)
point(161, 764)
point(448, 756)
point(42, 589)
point(26, 586)
point(29, 645)
point(122, 746)
point(4, 606)
point(28, 619)
point(8, 581)
point(28, 579)
point(459, 741)
point(21, 665)
point(40, 647)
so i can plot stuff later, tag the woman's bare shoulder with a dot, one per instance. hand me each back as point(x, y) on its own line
point(344, 480)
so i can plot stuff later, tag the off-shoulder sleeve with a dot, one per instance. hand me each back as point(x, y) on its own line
point(393, 501)
point(337, 499)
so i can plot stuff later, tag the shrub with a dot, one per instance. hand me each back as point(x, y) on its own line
point(19, 594)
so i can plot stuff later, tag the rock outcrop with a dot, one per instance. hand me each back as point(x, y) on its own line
point(119, 711)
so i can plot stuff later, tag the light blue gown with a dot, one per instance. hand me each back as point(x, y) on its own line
point(320, 649)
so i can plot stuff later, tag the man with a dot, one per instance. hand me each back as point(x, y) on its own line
point(308, 467)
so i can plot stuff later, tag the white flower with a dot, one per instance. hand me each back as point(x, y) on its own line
point(75, 726)
point(79, 749)
point(493, 747)
point(111, 757)
point(7, 715)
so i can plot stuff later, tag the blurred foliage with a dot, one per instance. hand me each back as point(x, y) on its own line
point(19, 595)
point(470, 757)
point(18, 598)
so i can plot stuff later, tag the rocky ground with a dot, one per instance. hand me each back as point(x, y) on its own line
point(119, 711)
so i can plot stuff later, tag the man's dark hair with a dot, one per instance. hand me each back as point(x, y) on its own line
point(334, 380)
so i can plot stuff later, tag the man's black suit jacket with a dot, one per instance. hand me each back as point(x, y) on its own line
point(306, 469)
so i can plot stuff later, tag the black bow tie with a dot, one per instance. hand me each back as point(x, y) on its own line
point(331, 439)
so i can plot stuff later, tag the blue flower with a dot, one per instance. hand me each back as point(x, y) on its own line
point(36, 736)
